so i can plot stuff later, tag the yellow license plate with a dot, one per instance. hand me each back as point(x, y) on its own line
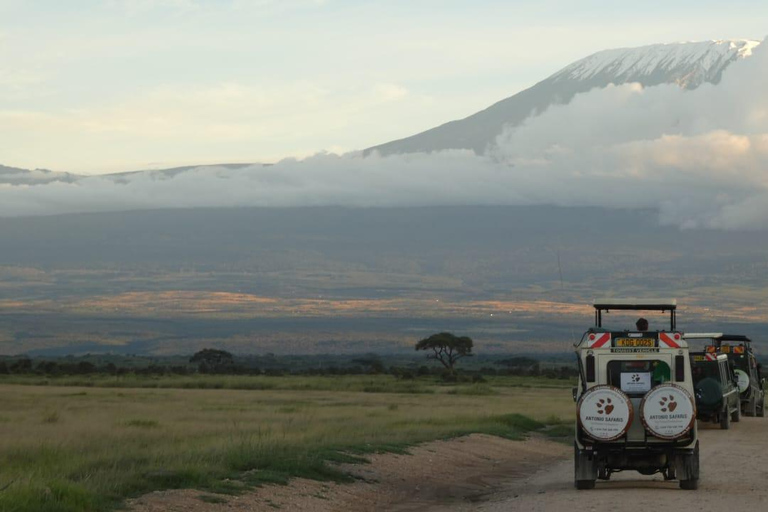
point(635, 342)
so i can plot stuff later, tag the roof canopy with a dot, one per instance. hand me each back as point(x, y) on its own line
point(718, 336)
point(636, 304)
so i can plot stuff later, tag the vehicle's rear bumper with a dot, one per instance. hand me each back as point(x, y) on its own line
point(646, 460)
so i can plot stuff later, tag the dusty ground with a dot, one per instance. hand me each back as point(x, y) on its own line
point(489, 474)
point(438, 474)
point(733, 477)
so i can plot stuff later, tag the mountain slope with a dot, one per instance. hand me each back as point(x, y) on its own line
point(686, 64)
point(16, 176)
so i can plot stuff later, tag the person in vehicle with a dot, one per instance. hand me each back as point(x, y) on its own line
point(642, 324)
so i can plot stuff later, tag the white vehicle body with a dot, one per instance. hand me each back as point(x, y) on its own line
point(637, 363)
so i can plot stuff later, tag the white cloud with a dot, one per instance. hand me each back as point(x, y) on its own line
point(700, 157)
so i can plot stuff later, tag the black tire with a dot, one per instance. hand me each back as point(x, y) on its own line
point(690, 468)
point(761, 409)
point(584, 485)
point(725, 419)
point(736, 416)
point(753, 407)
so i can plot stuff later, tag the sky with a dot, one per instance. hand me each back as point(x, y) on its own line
point(698, 158)
point(104, 86)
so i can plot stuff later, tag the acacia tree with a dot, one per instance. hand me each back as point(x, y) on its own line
point(446, 348)
point(211, 360)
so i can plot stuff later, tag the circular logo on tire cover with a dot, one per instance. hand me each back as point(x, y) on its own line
point(743, 379)
point(605, 413)
point(668, 411)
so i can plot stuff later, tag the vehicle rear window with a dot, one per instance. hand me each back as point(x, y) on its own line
point(638, 377)
point(740, 361)
point(703, 370)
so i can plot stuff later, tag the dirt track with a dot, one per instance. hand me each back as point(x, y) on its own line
point(488, 474)
point(734, 472)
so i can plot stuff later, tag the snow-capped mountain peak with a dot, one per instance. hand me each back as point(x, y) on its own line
point(689, 64)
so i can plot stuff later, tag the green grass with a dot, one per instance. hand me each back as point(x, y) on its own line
point(108, 444)
point(362, 383)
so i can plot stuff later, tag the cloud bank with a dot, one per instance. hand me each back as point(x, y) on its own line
point(699, 157)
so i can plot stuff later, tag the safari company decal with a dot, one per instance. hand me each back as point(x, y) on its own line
point(743, 379)
point(639, 382)
point(605, 413)
point(668, 411)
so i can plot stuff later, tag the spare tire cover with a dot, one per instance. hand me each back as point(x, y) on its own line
point(605, 413)
point(668, 411)
point(709, 391)
point(743, 379)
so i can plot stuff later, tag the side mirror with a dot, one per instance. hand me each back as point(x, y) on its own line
point(575, 392)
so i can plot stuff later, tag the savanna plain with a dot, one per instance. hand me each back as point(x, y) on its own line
point(75, 445)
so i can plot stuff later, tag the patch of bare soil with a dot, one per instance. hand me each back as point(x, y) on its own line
point(433, 476)
point(733, 476)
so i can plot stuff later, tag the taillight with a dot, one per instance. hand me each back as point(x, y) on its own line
point(679, 368)
point(590, 368)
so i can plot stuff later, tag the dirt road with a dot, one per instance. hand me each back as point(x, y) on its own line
point(489, 474)
point(734, 472)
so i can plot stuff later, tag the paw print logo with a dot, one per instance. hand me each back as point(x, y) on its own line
point(604, 406)
point(668, 404)
point(635, 378)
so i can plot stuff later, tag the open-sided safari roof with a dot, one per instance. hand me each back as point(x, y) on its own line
point(662, 305)
point(718, 336)
point(636, 304)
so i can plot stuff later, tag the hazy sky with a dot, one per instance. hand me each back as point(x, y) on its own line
point(98, 86)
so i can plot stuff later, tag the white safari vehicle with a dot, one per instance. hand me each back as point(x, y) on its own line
point(636, 408)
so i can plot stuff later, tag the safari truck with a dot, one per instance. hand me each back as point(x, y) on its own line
point(716, 389)
point(751, 383)
point(636, 408)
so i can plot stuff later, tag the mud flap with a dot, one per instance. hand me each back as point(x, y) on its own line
point(585, 466)
point(687, 468)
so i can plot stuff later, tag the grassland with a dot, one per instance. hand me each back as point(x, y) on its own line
point(65, 448)
point(354, 383)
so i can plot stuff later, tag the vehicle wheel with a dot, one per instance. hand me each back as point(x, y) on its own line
point(688, 469)
point(753, 407)
point(725, 419)
point(584, 485)
point(761, 409)
point(736, 416)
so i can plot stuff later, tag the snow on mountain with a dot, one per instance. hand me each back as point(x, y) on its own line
point(687, 64)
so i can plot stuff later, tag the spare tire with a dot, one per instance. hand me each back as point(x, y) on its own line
point(668, 411)
point(743, 378)
point(709, 392)
point(605, 413)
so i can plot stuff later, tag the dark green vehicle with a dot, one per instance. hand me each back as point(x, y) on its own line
point(716, 389)
point(748, 371)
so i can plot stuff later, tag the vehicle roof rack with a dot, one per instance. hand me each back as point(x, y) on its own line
point(717, 336)
point(662, 305)
point(636, 304)
point(702, 335)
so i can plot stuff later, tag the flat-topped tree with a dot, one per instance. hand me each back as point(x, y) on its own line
point(212, 360)
point(446, 348)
